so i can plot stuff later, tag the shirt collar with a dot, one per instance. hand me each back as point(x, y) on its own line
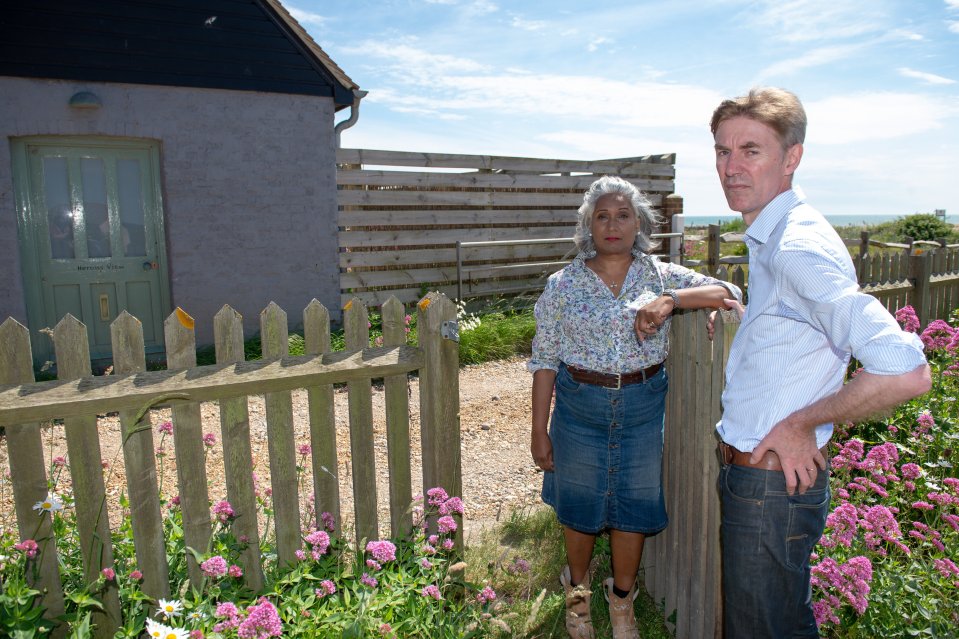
point(585, 255)
point(769, 218)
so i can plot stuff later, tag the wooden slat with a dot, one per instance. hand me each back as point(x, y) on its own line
point(356, 333)
point(353, 217)
point(72, 350)
point(630, 166)
point(477, 179)
point(398, 426)
point(421, 276)
point(89, 395)
point(188, 444)
point(439, 401)
point(126, 337)
point(237, 452)
point(481, 289)
point(397, 197)
point(562, 249)
point(281, 440)
point(349, 239)
point(326, 485)
point(28, 473)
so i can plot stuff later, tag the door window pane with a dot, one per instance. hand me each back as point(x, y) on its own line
point(130, 198)
point(59, 211)
point(95, 214)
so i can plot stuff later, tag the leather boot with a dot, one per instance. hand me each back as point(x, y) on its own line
point(579, 624)
point(621, 615)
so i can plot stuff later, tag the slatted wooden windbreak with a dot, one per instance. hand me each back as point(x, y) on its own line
point(398, 228)
point(77, 397)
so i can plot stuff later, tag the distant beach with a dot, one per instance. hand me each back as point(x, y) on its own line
point(835, 220)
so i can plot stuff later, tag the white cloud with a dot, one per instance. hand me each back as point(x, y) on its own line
point(595, 43)
point(306, 17)
point(875, 116)
point(952, 4)
point(928, 78)
point(482, 7)
point(527, 25)
point(812, 58)
point(954, 26)
point(808, 20)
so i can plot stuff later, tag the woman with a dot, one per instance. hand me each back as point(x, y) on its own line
point(602, 326)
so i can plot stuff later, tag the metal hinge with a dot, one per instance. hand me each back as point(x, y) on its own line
point(450, 329)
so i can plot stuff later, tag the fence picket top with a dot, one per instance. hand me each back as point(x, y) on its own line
point(316, 328)
point(274, 331)
point(126, 336)
point(15, 353)
point(228, 335)
point(394, 315)
point(74, 352)
point(180, 339)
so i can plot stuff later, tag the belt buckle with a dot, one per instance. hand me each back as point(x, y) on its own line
point(619, 381)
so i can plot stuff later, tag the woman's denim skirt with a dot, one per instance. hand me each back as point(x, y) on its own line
point(608, 456)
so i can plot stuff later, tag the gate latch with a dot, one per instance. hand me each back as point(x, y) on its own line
point(450, 329)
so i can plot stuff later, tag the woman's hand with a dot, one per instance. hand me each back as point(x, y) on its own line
point(650, 317)
point(542, 450)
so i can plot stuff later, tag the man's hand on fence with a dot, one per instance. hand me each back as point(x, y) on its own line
point(732, 306)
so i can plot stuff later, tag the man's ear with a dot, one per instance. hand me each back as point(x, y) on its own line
point(793, 156)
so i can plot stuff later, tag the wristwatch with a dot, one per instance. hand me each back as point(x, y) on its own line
point(670, 292)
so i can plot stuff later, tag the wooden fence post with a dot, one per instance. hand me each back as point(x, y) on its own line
point(713, 248)
point(281, 440)
point(237, 454)
point(126, 337)
point(356, 333)
point(188, 444)
point(920, 267)
point(398, 425)
point(326, 483)
point(72, 348)
point(439, 397)
point(28, 471)
point(863, 244)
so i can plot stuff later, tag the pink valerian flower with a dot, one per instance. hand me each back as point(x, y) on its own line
point(136, 575)
point(386, 630)
point(433, 539)
point(943, 499)
point(175, 500)
point(448, 544)
point(426, 563)
point(327, 587)
point(876, 488)
point(952, 483)
point(910, 486)
point(922, 505)
point(437, 496)
point(196, 634)
point(431, 591)
point(843, 523)
point(209, 440)
point(371, 563)
point(882, 457)
point(235, 571)
point(925, 422)
point(908, 318)
point(109, 574)
point(304, 450)
point(382, 551)
point(214, 567)
point(299, 554)
point(319, 540)
point(262, 621)
point(518, 566)
point(369, 581)
point(952, 520)
point(328, 522)
point(59, 461)
point(446, 524)
point(223, 511)
point(852, 451)
point(485, 595)
point(881, 527)
point(230, 615)
point(166, 428)
point(453, 505)
point(160, 451)
point(911, 471)
point(946, 568)
point(28, 547)
point(851, 580)
point(428, 550)
point(937, 335)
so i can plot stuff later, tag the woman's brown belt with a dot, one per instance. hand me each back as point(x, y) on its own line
point(612, 380)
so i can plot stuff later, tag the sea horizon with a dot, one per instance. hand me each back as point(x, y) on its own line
point(835, 220)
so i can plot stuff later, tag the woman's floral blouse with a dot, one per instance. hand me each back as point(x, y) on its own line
point(580, 322)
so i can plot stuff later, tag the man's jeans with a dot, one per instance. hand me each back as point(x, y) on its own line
point(767, 537)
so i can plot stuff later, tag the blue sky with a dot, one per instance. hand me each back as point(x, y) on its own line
point(559, 79)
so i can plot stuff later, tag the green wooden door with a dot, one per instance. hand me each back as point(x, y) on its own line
point(91, 233)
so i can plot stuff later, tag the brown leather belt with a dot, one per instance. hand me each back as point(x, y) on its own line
point(612, 380)
point(770, 461)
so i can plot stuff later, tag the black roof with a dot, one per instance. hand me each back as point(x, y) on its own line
point(246, 45)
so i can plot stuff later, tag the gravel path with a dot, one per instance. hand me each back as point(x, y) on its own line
point(498, 472)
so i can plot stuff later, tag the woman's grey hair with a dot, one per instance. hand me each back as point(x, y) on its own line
point(648, 219)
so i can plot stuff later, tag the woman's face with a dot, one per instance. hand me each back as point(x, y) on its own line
point(614, 225)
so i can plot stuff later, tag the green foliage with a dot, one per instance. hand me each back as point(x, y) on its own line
point(922, 227)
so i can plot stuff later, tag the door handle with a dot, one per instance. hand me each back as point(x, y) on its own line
point(105, 307)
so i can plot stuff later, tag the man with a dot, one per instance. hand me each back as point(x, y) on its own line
point(784, 380)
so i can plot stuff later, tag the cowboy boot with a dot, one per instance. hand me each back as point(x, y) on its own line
point(621, 615)
point(579, 624)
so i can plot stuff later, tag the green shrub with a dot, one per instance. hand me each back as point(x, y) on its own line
point(922, 227)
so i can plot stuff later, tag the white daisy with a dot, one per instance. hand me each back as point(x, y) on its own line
point(155, 629)
point(196, 615)
point(51, 504)
point(169, 608)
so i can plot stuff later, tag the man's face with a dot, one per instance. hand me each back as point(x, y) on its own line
point(752, 166)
